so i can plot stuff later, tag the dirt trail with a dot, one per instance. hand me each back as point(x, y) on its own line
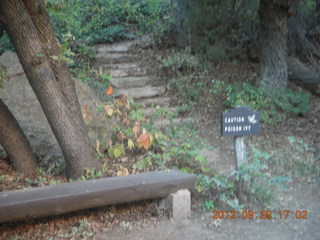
point(202, 227)
point(301, 196)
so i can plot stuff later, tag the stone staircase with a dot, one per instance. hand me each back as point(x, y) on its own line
point(135, 76)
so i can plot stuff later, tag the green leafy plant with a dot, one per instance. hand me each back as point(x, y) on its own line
point(116, 151)
point(81, 230)
point(256, 175)
point(273, 105)
point(208, 205)
point(109, 21)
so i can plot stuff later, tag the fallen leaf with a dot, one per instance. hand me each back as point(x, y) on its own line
point(109, 110)
point(97, 145)
point(130, 144)
point(123, 172)
point(144, 141)
point(135, 130)
point(110, 91)
point(144, 131)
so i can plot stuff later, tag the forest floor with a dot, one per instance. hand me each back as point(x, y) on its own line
point(142, 220)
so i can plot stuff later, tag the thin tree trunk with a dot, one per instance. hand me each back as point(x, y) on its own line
point(273, 43)
point(28, 26)
point(15, 143)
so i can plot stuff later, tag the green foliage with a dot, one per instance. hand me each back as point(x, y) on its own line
point(273, 105)
point(211, 21)
point(108, 21)
point(90, 173)
point(116, 151)
point(5, 43)
point(189, 88)
point(255, 173)
point(218, 190)
point(182, 63)
point(296, 158)
point(209, 205)
point(80, 231)
point(143, 163)
point(182, 149)
point(188, 82)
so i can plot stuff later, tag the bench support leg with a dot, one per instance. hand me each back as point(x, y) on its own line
point(179, 203)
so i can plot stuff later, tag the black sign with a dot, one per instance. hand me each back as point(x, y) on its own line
point(240, 121)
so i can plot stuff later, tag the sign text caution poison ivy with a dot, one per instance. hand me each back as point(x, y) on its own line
point(240, 121)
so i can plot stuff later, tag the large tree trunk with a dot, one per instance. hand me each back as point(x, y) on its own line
point(15, 143)
point(29, 28)
point(273, 43)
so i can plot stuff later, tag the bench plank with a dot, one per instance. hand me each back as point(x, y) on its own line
point(68, 197)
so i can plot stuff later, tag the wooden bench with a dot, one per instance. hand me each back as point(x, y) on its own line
point(67, 197)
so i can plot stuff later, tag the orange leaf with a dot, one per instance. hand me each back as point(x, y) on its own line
point(110, 91)
point(135, 130)
point(144, 141)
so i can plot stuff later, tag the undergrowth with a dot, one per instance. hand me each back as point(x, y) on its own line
point(273, 105)
point(189, 80)
point(109, 21)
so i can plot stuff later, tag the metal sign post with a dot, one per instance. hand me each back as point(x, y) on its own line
point(239, 122)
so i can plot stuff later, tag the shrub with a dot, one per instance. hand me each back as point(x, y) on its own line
point(96, 21)
point(273, 105)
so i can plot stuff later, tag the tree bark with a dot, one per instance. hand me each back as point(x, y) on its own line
point(29, 28)
point(15, 143)
point(318, 11)
point(273, 43)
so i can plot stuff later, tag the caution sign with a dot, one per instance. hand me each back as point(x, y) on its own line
point(240, 121)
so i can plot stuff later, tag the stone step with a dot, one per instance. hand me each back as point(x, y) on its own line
point(128, 72)
point(130, 82)
point(113, 58)
point(117, 47)
point(121, 70)
point(161, 101)
point(149, 111)
point(162, 123)
point(143, 92)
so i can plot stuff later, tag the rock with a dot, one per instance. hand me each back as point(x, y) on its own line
point(161, 101)
point(142, 92)
point(113, 58)
point(130, 82)
point(21, 100)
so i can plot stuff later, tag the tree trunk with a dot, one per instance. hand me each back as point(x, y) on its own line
point(15, 143)
point(318, 12)
point(29, 28)
point(273, 43)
